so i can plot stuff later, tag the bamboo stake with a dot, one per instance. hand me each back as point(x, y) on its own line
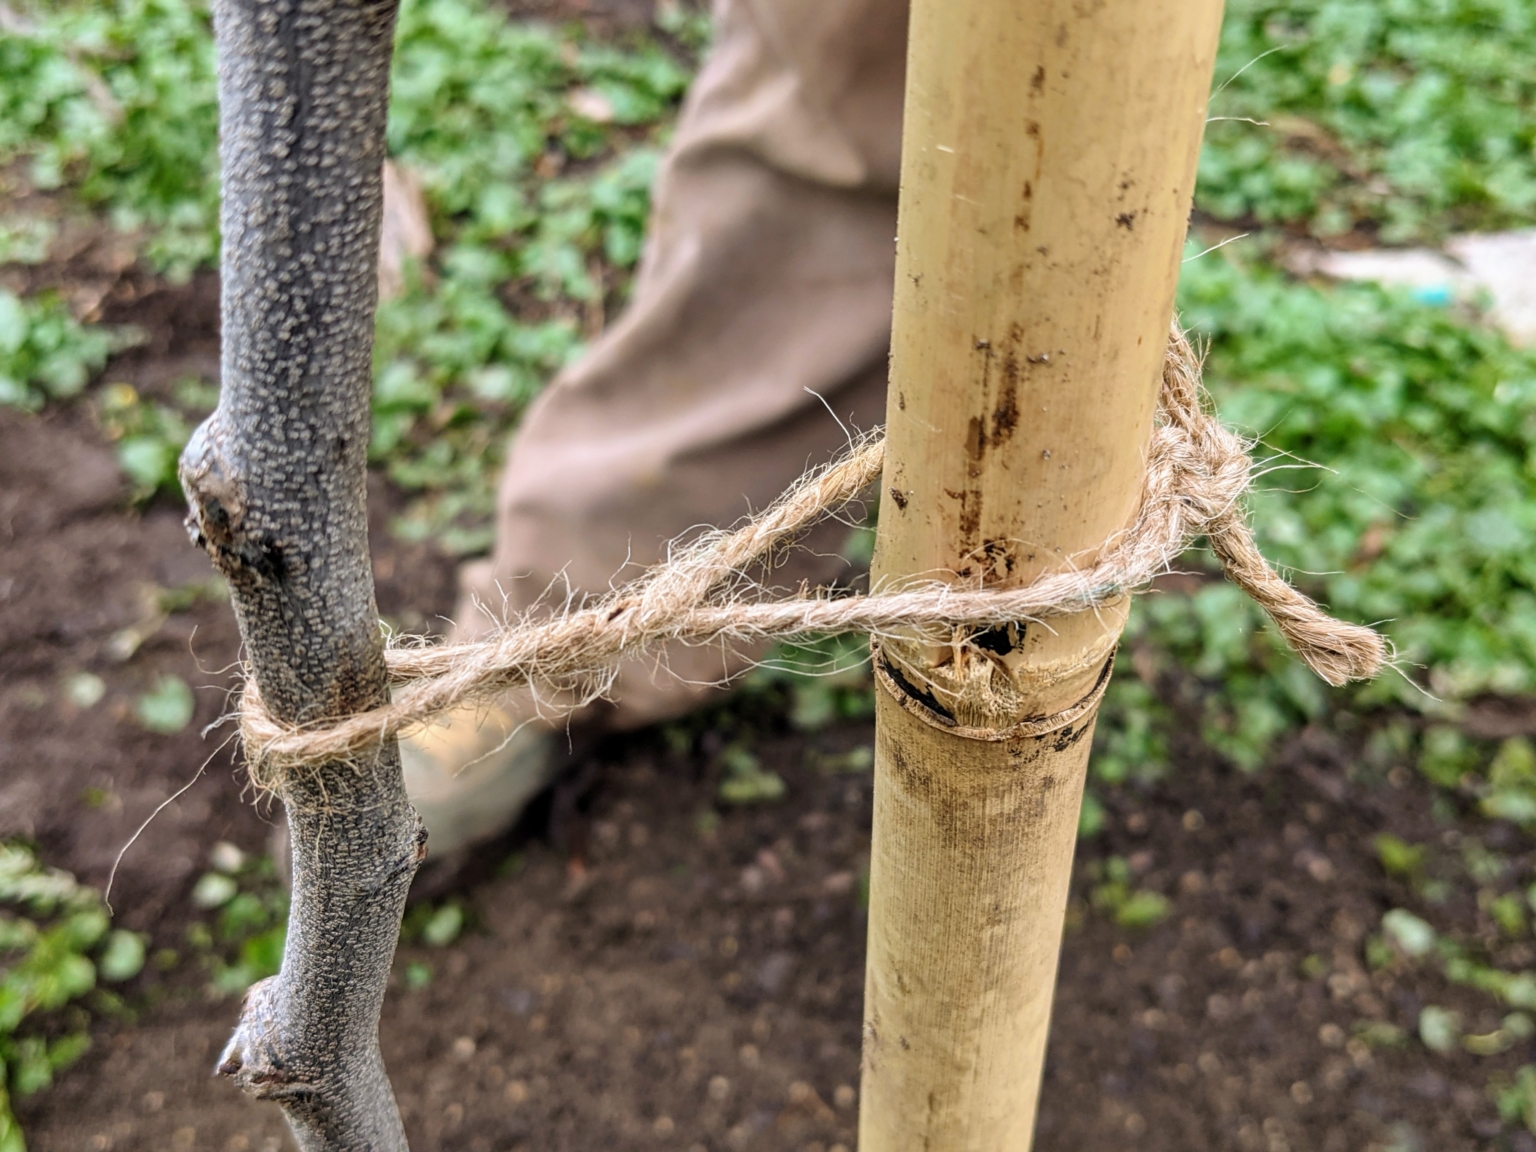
point(1048, 163)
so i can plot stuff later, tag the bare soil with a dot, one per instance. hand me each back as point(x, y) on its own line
point(643, 968)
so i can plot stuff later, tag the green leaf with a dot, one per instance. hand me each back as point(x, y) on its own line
point(813, 705)
point(262, 954)
point(1398, 857)
point(417, 974)
point(167, 707)
point(1439, 1028)
point(1380, 1034)
point(1090, 819)
point(1414, 937)
point(149, 461)
point(214, 890)
point(1516, 1101)
point(31, 1071)
point(67, 1049)
point(44, 352)
point(122, 958)
point(10, 1129)
point(1142, 910)
point(746, 781)
point(444, 926)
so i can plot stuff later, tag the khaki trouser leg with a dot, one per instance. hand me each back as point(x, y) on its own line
point(761, 317)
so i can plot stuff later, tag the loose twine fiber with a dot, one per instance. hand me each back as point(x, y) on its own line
point(1197, 473)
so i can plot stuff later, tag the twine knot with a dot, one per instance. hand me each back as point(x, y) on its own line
point(1196, 475)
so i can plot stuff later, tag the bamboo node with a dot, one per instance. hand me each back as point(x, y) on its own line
point(1197, 474)
point(892, 676)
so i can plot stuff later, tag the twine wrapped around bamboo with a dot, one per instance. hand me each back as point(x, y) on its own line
point(1197, 472)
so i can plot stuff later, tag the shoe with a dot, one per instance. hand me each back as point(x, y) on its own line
point(471, 774)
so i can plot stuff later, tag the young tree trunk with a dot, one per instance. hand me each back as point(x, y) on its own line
point(1047, 169)
point(275, 479)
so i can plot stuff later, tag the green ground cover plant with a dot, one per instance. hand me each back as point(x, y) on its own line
point(1414, 117)
point(45, 353)
point(515, 132)
point(535, 148)
point(240, 940)
point(1420, 518)
point(55, 945)
point(116, 102)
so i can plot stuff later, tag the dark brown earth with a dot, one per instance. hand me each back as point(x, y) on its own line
point(656, 971)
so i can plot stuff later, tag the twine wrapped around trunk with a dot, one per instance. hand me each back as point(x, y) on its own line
point(1196, 475)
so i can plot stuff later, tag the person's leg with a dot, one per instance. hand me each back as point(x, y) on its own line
point(760, 319)
point(762, 301)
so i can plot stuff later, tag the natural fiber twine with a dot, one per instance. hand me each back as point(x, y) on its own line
point(1197, 473)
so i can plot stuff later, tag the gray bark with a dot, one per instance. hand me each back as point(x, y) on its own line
point(275, 480)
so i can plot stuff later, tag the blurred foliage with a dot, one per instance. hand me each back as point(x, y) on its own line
point(1419, 514)
point(242, 939)
point(116, 100)
point(437, 925)
point(45, 354)
point(1516, 1098)
point(1417, 117)
point(55, 943)
point(535, 149)
point(25, 239)
point(1113, 893)
point(442, 928)
point(167, 707)
point(822, 680)
point(148, 433)
point(538, 221)
point(1489, 956)
point(1426, 425)
point(745, 780)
